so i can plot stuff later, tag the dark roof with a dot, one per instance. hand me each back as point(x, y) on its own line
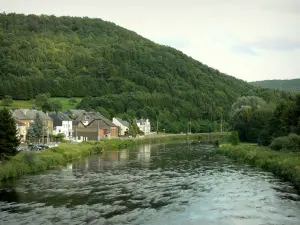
point(95, 116)
point(124, 122)
point(58, 118)
point(76, 112)
point(60, 115)
point(99, 116)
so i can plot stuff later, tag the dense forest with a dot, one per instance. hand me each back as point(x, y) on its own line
point(118, 72)
point(267, 124)
point(285, 85)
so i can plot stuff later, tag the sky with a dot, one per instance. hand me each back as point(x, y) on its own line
point(251, 40)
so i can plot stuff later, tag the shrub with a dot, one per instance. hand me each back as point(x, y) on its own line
point(29, 157)
point(234, 138)
point(289, 143)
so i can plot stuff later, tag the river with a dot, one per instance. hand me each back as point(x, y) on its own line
point(175, 183)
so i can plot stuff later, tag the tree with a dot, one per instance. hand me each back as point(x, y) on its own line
point(8, 134)
point(38, 126)
point(103, 111)
point(249, 117)
point(234, 138)
point(40, 99)
point(7, 100)
point(56, 106)
point(30, 131)
point(48, 106)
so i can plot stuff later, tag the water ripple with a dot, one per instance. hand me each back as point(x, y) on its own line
point(159, 184)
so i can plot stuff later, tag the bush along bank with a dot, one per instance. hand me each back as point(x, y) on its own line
point(32, 162)
point(282, 163)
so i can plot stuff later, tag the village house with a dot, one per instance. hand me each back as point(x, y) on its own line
point(62, 124)
point(144, 126)
point(22, 131)
point(122, 124)
point(28, 116)
point(93, 126)
point(75, 113)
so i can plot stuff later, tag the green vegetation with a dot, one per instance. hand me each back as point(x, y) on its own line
point(122, 72)
point(8, 135)
point(32, 162)
point(283, 164)
point(285, 85)
point(286, 143)
point(234, 138)
point(257, 121)
point(29, 103)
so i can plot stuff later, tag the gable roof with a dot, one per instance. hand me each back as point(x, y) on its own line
point(76, 112)
point(29, 114)
point(95, 116)
point(123, 122)
point(59, 115)
point(58, 118)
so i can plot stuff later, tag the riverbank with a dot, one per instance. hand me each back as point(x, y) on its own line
point(32, 162)
point(283, 164)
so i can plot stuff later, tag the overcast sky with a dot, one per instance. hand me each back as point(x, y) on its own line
point(251, 40)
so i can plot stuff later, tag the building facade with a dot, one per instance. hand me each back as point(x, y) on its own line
point(122, 124)
point(144, 125)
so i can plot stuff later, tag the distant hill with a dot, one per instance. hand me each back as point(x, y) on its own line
point(285, 85)
point(129, 76)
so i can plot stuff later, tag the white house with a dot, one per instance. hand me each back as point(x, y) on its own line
point(122, 124)
point(62, 124)
point(144, 125)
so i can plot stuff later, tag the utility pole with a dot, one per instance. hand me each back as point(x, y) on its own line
point(157, 126)
point(47, 135)
point(98, 130)
point(190, 126)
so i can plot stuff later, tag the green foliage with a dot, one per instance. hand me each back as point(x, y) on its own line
point(49, 106)
point(286, 85)
point(8, 135)
point(289, 143)
point(7, 100)
point(249, 116)
point(234, 138)
point(36, 129)
point(69, 56)
point(29, 157)
point(103, 111)
point(41, 99)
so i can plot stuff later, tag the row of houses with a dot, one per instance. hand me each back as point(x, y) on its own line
point(76, 125)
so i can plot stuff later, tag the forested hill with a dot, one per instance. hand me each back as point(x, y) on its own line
point(130, 75)
point(286, 85)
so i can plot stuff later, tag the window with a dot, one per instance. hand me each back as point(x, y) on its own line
point(87, 118)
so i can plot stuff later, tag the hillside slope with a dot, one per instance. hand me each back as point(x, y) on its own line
point(285, 85)
point(130, 75)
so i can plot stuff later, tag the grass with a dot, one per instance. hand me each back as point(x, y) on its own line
point(28, 103)
point(283, 164)
point(32, 162)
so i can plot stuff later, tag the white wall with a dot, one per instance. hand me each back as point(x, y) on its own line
point(121, 126)
point(65, 129)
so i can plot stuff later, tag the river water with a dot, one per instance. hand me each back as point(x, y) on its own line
point(176, 183)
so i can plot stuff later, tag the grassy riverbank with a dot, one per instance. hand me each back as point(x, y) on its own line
point(283, 164)
point(32, 162)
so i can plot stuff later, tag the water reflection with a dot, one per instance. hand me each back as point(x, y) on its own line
point(151, 184)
